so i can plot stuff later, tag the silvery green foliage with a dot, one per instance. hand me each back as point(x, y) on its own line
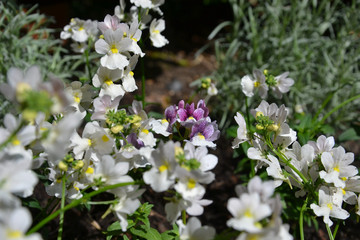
point(25, 40)
point(316, 41)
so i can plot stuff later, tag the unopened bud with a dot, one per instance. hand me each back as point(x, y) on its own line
point(63, 166)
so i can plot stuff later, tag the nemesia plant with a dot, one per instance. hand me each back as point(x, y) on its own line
point(80, 141)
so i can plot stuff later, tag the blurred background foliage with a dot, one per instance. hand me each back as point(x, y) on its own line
point(316, 41)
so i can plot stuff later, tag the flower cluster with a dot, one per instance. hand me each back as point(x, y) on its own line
point(315, 166)
point(262, 81)
point(198, 125)
point(256, 213)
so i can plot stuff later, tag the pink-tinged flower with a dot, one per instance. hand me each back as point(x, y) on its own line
point(110, 22)
point(203, 133)
point(186, 112)
point(170, 116)
point(102, 105)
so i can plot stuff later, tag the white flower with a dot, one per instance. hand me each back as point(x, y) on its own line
point(126, 206)
point(105, 79)
point(247, 211)
point(156, 27)
point(323, 144)
point(194, 231)
point(95, 141)
point(212, 90)
point(113, 46)
point(260, 83)
point(16, 225)
point(151, 4)
point(24, 137)
point(327, 208)
point(241, 131)
point(337, 167)
point(102, 105)
point(207, 161)
point(247, 86)
point(161, 175)
point(20, 82)
point(79, 30)
point(128, 80)
point(283, 84)
point(256, 185)
point(15, 174)
point(110, 172)
point(57, 140)
point(160, 126)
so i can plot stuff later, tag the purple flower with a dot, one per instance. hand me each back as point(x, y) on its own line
point(203, 133)
point(135, 141)
point(170, 116)
point(188, 115)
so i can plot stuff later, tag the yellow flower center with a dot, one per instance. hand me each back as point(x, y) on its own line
point(105, 138)
point(108, 82)
point(256, 84)
point(343, 191)
point(134, 39)
point(201, 136)
point(336, 169)
point(191, 183)
point(76, 99)
point(89, 142)
point(329, 205)
point(164, 121)
point(252, 237)
point(131, 73)
point(163, 167)
point(15, 141)
point(81, 28)
point(145, 131)
point(114, 49)
point(90, 170)
point(248, 214)
point(13, 234)
point(156, 31)
point(101, 36)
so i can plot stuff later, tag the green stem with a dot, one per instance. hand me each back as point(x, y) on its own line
point(247, 112)
point(103, 202)
point(338, 107)
point(287, 162)
point(301, 219)
point(183, 215)
point(61, 224)
point(336, 229)
point(331, 237)
point(77, 202)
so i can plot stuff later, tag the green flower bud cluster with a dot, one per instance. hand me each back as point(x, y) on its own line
point(264, 123)
point(32, 102)
point(68, 162)
point(188, 164)
point(270, 79)
point(120, 122)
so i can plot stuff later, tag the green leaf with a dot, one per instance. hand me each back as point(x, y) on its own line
point(171, 234)
point(232, 131)
point(348, 135)
point(146, 232)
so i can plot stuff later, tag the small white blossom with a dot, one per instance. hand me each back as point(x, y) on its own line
point(327, 208)
point(156, 27)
